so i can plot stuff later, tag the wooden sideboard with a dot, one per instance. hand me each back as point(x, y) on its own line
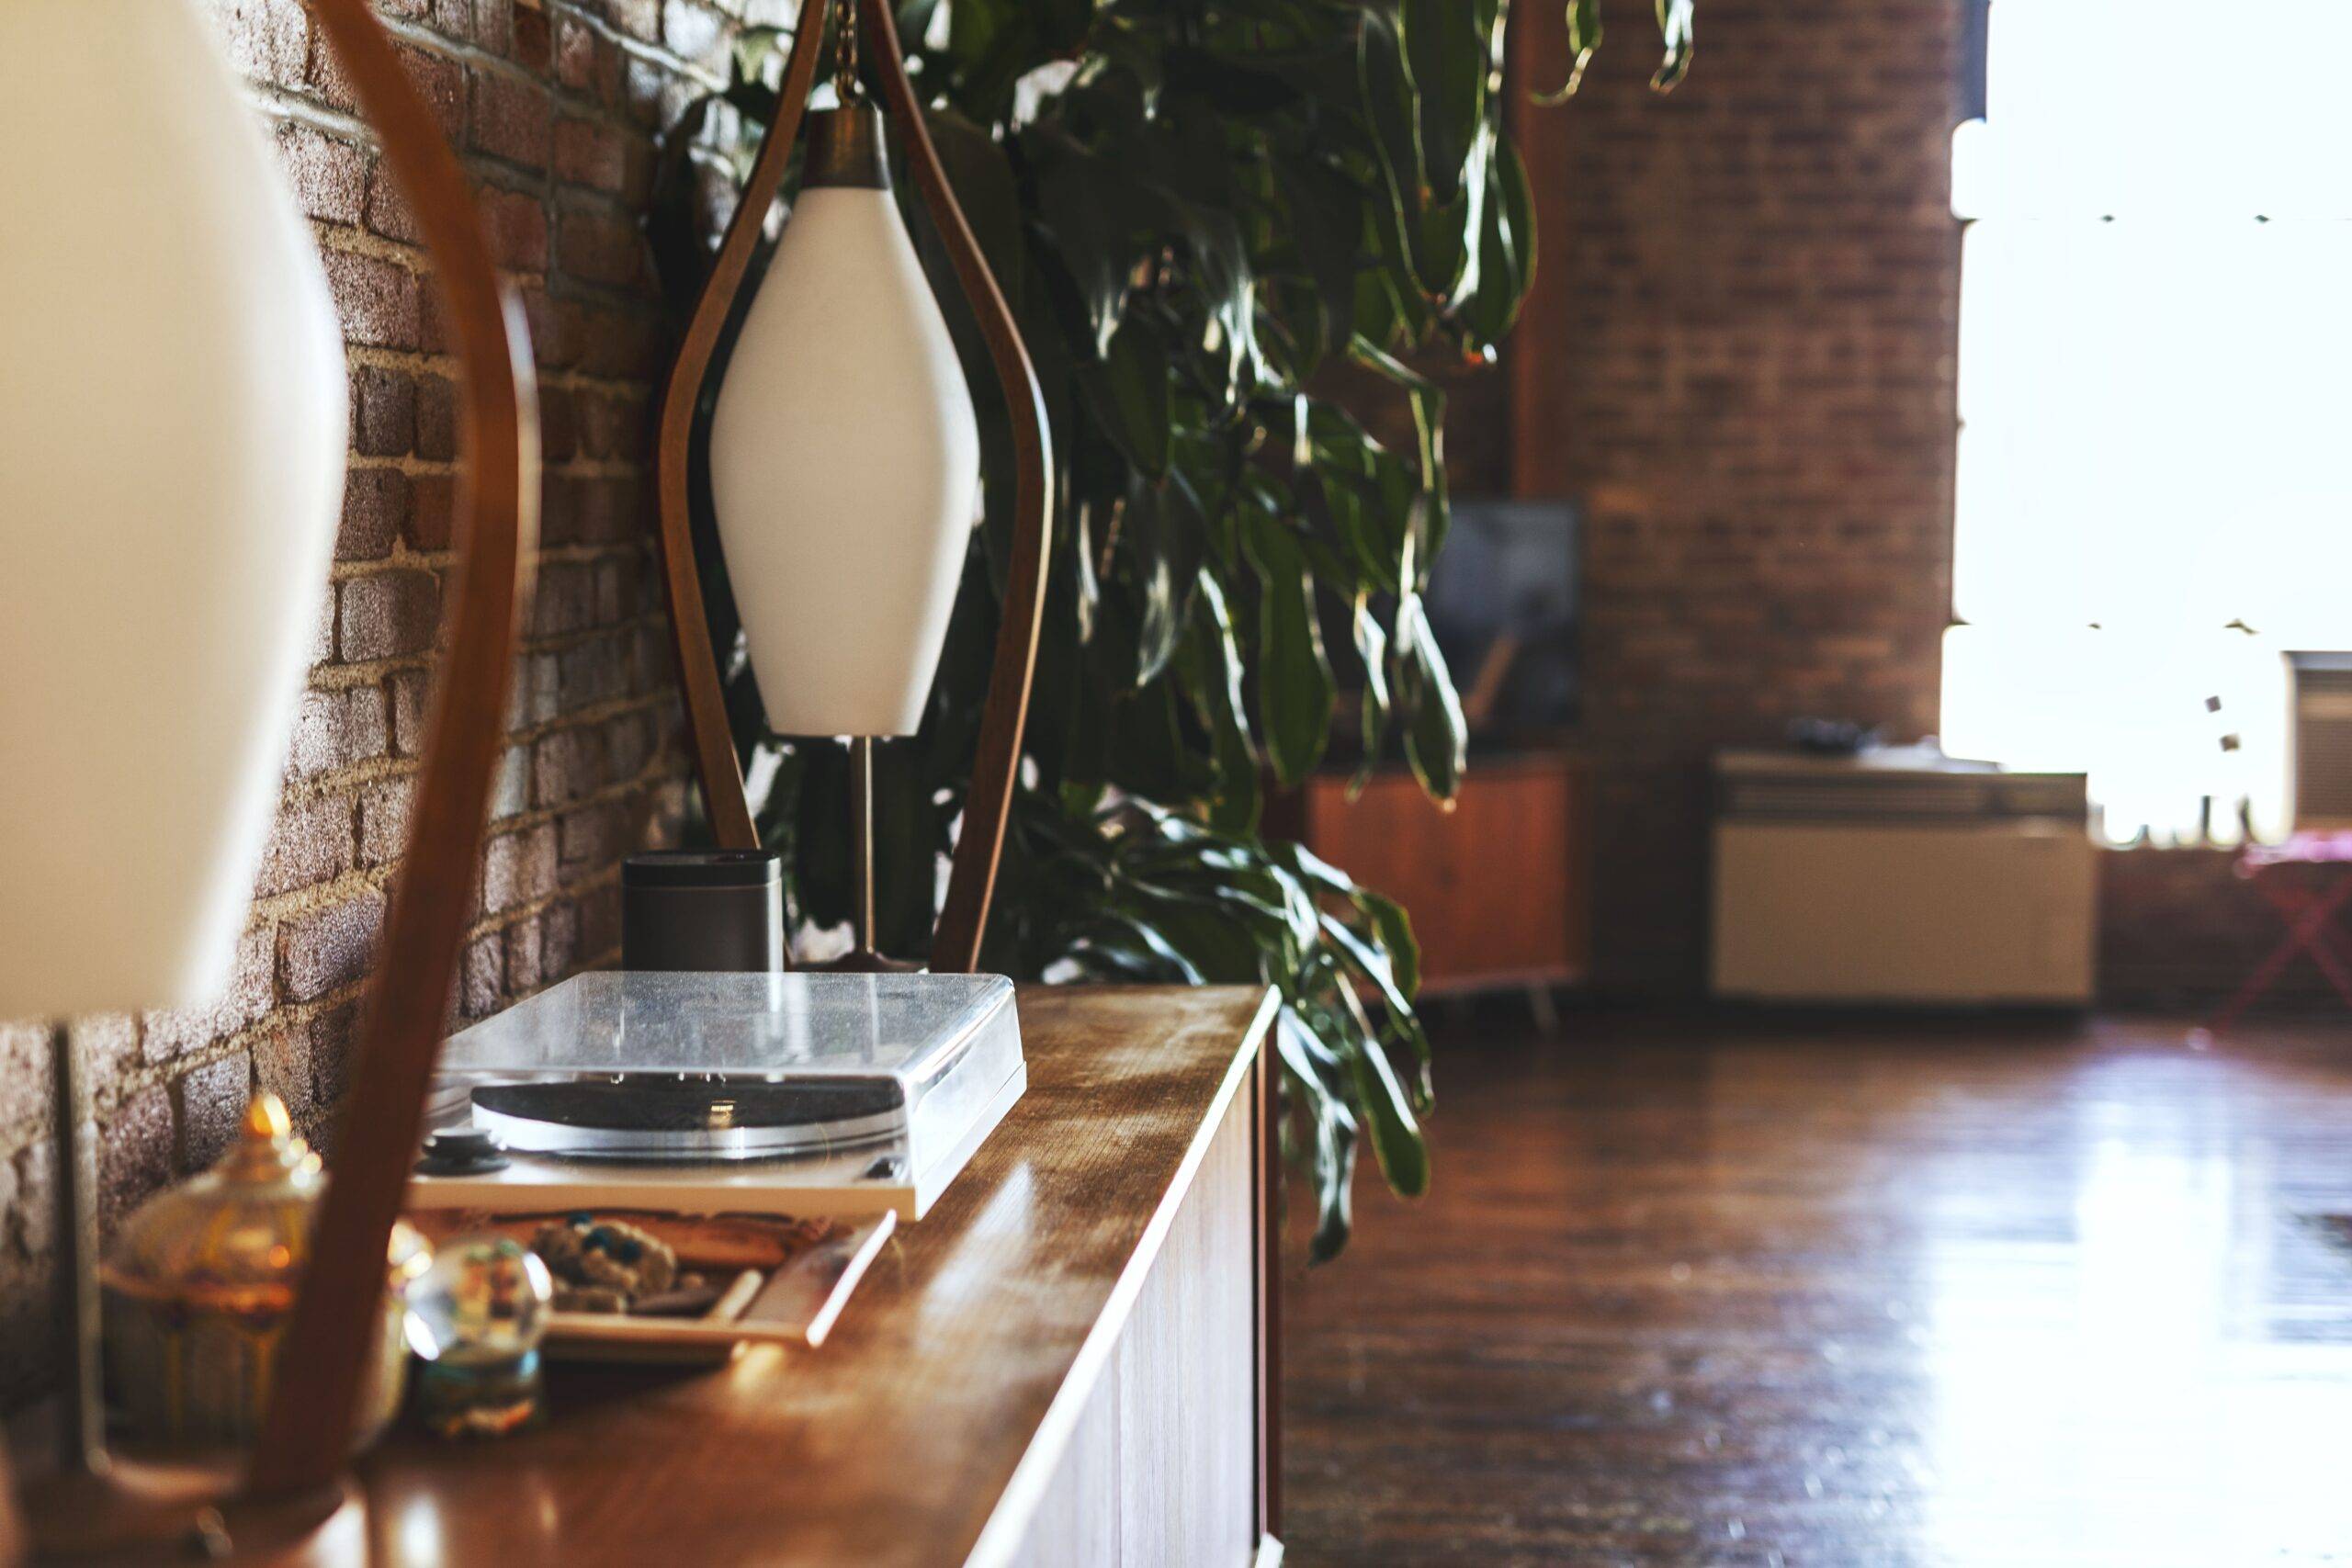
point(1071, 1360)
point(1499, 887)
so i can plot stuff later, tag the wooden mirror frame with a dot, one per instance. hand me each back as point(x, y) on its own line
point(987, 806)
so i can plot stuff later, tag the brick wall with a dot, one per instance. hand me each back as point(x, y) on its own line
point(1740, 356)
point(2179, 931)
point(555, 103)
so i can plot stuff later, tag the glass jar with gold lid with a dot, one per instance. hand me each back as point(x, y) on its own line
point(200, 1284)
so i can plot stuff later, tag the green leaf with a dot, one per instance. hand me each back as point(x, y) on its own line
point(1397, 1140)
point(1395, 931)
point(1446, 59)
point(1437, 741)
point(1674, 25)
point(1372, 652)
point(1132, 405)
point(1295, 688)
point(1584, 37)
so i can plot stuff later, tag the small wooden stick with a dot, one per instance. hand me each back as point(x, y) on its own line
point(737, 1297)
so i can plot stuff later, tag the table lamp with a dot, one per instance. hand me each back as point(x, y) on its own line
point(172, 400)
point(845, 462)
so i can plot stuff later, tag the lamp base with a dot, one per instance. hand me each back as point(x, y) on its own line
point(132, 1513)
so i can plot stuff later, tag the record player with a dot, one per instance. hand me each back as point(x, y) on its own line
point(775, 1093)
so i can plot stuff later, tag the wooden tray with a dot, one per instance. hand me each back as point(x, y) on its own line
point(790, 1279)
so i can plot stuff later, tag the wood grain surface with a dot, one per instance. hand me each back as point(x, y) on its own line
point(893, 1443)
point(1928, 1294)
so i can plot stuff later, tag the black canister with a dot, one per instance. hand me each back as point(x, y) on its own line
point(703, 909)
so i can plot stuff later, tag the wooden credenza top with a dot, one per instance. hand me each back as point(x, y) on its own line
point(895, 1441)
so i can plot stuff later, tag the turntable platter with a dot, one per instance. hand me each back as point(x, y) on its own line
point(688, 1117)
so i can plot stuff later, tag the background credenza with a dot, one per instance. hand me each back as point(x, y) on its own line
point(1498, 887)
point(1071, 1360)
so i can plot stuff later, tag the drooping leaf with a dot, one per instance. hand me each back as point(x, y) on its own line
point(1674, 26)
point(1296, 689)
point(1437, 741)
point(1584, 37)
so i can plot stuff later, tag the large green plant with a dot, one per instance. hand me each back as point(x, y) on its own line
point(1195, 207)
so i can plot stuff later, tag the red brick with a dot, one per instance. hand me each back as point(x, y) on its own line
point(329, 174)
point(559, 439)
point(517, 225)
point(692, 31)
point(593, 836)
point(251, 992)
point(481, 980)
point(332, 1039)
point(510, 794)
point(322, 953)
point(135, 1149)
point(436, 418)
point(639, 19)
point(593, 671)
point(558, 940)
point(410, 692)
point(612, 424)
point(383, 821)
point(518, 868)
point(432, 500)
point(336, 730)
point(375, 504)
point(108, 1044)
point(211, 1103)
point(388, 615)
point(24, 1072)
point(374, 299)
point(566, 765)
point(565, 599)
point(512, 120)
point(269, 40)
point(601, 246)
point(523, 956)
point(281, 1065)
point(576, 48)
point(591, 153)
point(530, 36)
point(311, 842)
point(383, 405)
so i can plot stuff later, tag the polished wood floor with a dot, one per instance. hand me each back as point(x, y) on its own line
point(1873, 1294)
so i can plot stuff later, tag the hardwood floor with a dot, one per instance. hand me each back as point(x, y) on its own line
point(1851, 1293)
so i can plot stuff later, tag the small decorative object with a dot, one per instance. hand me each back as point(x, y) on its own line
point(703, 909)
point(608, 1265)
point(844, 465)
point(480, 1313)
point(165, 303)
point(732, 1280)
point(202, 1280)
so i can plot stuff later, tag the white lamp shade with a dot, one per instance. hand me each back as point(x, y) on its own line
point(844, 461)
point(172, 420)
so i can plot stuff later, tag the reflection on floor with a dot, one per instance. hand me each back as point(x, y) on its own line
point(1883, 1294)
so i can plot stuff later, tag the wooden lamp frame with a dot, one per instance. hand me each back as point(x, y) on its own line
point(962, 918)
point(295, 1485)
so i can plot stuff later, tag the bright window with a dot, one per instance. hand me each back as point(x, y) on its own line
point(2155, 397)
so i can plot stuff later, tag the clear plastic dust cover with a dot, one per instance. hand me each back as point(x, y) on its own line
point(711, 1093)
